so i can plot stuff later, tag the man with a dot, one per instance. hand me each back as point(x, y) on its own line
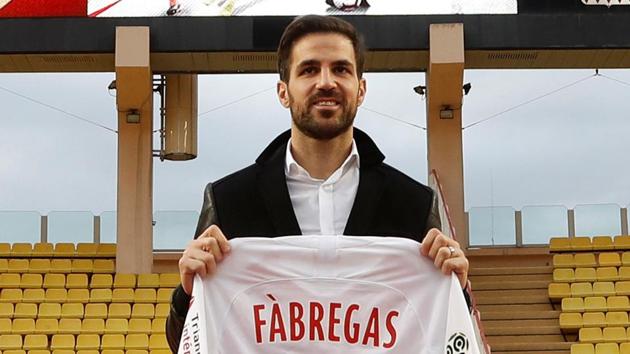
point(321, 177)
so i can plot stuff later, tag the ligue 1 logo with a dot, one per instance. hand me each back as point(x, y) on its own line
point(457, 344)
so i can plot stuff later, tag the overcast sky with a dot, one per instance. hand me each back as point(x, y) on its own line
point(565, 149)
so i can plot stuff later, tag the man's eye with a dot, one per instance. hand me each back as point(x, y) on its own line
point(342, 69)
point(308, 70)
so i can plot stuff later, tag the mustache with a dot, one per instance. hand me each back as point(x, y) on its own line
point(337, 96)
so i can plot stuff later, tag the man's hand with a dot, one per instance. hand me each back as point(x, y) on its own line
point(202, 255)
point(446, 254)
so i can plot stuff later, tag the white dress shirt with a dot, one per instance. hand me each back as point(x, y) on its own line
point(322, 207)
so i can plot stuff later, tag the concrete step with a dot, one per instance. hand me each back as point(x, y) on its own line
point(511, 270)
point(521, 327)
point(518, 315)
point(508, 285)
point(531, 345)
point(510, 277)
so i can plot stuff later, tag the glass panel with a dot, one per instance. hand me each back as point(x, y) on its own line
point(542, 222)
point(491, 226)
point(108, 227)
point(597, 219)
point(20, 226)
point(173, 229)
point(70, 226)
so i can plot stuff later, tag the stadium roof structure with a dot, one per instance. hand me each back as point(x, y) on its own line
point(526, 40)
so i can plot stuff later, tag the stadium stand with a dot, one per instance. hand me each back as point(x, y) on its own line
point(66, 298)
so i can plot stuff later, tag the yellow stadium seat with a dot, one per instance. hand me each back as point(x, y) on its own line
point(21, 249)
point(101, 295)
point(10, 295)
point(559, 244)
point(143, 311)
point(591, 335)
point(82, 266)
point(563, 260)
point(49, 310)
point(625, 259)
point(4, 265)
point(95, 311)
point(43, 249)
point(114, 342)
point(116, 351)
point(46, 326)
point(604, 288)
point(35, 342)
point(160, 351)
point(17, 265)
point(9, 280)
point(158, 341)
point(66, 250)
point(136, 341)
point(88, 351)
point(624, 273)
point(116, 326)
point(86, 249)
point(622, 288)
point(594, 319)
point(137, 351)
point(104, 266)
point(15, 351)
point(69, 326)
point(585, 260)
point(101, 281)
point(62, 342)
point(56, 295)
point(563, 275)
point(60, 266)
point(6, 310)
point(622, 242)
point(624, 348)
point(38, 265)
point(162, 310)
point(617, 319)
point(618, 303)
point(72, 310)
point(164, 295)
point(119, 310)
point(582, 348)
point(602, 243)
point(124, 280)
point(122, 295)
point(158, 325)
point(145, 295)
point(5, 326)
point(76, 281)
point(37, 351)
point(31, 281)
point(10, 342)
point(139, 325)
point(607, 274)
point(581, 289)
point(23, 326)
point(169, 280)
point(79, 295)
point(581, 243)
point(150, 280)
point(106, 250)
point(54, 281)
point(609, 259)
point(24, 310)
point(614, 334)
point(33, 295)
point(5, 249)
point(93, 326)
point(585, 275)
point(595, 304)
point(606, 348)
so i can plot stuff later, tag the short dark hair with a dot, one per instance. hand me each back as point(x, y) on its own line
point(304, 25)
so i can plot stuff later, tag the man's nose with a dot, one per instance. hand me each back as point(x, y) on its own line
point(326, 80)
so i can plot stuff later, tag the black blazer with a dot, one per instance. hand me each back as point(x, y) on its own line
point(388, 203)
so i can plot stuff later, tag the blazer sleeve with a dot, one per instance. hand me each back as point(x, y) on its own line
point(433, 220)
point(179, 299)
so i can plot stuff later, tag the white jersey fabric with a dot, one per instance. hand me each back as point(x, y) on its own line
point(327, 294)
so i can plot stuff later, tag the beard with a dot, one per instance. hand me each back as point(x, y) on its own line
point(328, 126)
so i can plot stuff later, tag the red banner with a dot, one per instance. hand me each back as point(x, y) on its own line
point(43, 8)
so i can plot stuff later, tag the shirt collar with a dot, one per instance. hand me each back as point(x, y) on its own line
point(293, 168)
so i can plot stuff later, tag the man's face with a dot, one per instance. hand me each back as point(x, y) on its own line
point(323, 92)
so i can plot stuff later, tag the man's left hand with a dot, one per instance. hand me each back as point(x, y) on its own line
point(446, 254)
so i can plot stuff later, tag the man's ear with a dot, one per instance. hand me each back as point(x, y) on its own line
point(283, 93)
point(362, 91)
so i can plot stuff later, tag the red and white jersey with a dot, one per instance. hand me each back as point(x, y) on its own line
point(327, 294)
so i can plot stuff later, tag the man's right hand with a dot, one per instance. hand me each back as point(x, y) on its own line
point(202, 255)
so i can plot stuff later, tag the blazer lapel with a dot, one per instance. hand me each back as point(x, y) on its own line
point(371, 182)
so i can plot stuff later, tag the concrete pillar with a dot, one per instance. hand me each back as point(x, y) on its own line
point(444, 80)
point(134, 99)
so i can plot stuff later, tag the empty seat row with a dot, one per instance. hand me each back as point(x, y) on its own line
point(78, 310)
point(80, 280)
point(589, 274)
point(45, 265)
point(600, 348)
point(558, 291)
point(62, 295)
point(582, 243)
point(595, 304)
point(83, 342)
point(608, 334)
point(604, 259)
point(82, 326)
point(22, 249)
point(593, 319)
